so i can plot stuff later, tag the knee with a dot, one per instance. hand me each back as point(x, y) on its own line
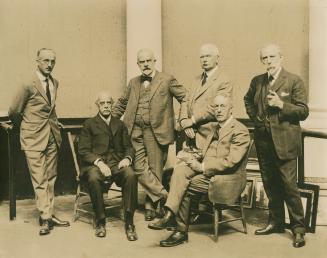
point(93, 176)
point(129, 174)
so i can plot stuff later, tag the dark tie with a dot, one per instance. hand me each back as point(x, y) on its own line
point(204, 79)
point(145, 78)
point(47, 90)
point(270, 78)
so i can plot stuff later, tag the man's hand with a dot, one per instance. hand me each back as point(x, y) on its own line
point(124, 163)
point(274, 100)
point(105, 170)
point(195, 165)
point(189, 132)
point(186, 123)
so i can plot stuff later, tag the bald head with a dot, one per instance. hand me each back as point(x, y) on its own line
point(209, 57)
point(104, 102)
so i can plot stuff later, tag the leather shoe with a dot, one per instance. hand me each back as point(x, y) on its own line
point(41, 221)
point(58, 223)
point(100, 230)
point(166, 222)
point(149, 215)
point(45, 227)
point(130, 232)
point(298, 240)
point(270, 229)
point(174, 239)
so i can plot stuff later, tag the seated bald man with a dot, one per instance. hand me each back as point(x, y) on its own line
point(107, 154)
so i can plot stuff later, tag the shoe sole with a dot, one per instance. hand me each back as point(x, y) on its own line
point(174, 244)
point(155, 228)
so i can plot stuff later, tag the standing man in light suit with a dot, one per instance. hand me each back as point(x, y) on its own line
point(276, 103)
point(149, 116)
point(212, 82)
point(33, 109)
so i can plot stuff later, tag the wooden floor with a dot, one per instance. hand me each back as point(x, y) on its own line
point(20, 239)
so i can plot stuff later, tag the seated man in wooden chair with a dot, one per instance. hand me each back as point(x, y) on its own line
point(222, 154)
point(106, 155)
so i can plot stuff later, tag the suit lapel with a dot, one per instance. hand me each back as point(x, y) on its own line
point(55, 87)
point(137, 88)
point(39, 87)
point(209, 138)
point(154, 85)
point(279, 81)
point(207, 85)
point(225, 130)
point(101, 124)
point(113, 125)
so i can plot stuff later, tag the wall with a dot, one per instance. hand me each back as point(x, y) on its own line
point(89, 37)
point(240, 29)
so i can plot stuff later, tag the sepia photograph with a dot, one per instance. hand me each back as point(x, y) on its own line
point(121, 121)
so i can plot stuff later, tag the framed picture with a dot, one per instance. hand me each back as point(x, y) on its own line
point(309, 196)
point(261, 199)
point(248, 193)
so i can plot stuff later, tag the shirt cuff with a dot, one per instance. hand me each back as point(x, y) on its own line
point(202, 166)
point(130, 159)
point(96, 161)
point(193, 119)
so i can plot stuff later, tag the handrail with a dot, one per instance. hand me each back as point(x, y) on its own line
point(314, 133)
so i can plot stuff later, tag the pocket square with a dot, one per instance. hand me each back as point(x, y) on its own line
point(284, 94)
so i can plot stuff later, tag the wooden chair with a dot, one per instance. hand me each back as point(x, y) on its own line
point(218, 201)
point(85, 207)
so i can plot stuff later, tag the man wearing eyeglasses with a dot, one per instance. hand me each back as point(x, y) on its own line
point(33, 109)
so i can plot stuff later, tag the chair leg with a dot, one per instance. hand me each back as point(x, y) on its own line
point(76, 204)
point(243, 216)
point(216, 222)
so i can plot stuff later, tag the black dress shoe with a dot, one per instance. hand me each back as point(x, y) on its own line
point(174, 239)
point(59, 223)
point(270, 229)
point(167, 221)
point(45, 227)
point(130, 232)
point(298, 240)
point(49, 223)
point(149, 215)
point(100, 230)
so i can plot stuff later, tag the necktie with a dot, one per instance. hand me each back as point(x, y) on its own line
point(204, 79)
point(47, 90)
point(145, 78)
point(270, 78)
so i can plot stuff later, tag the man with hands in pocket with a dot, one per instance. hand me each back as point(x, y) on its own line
point(106, 156)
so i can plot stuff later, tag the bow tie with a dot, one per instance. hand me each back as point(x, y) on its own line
point(145, 78)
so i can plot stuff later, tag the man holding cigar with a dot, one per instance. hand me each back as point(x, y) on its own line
point(276, 103)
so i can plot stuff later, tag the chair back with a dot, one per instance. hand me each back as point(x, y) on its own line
point(226, 189)
point(73, 144)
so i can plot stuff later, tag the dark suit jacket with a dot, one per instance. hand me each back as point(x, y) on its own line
point(163, 88)
point(284, 124)
point(94, 142)
point(32, 111)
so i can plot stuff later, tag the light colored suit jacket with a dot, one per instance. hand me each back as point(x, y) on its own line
point(284, 124)
point(223, 159)
point(199, 100)
point(163, 88)
point(37, 118)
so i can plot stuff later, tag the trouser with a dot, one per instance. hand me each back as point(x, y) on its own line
point(42, 166)
point(125, 178)
point(198, 186)
point(150, 157)
point(279, 179)
point(179, 182)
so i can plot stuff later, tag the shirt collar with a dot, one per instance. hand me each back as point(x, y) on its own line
point(226, 122)
point(40, 75)
point(277, 73)
point(106, 120)
point(211, 72)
